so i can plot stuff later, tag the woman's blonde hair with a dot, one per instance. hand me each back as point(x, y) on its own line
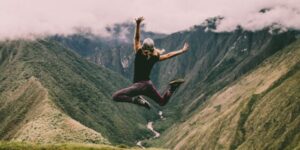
point(148, 44)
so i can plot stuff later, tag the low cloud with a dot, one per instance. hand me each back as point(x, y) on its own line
point(30, 18)
point(279, 14)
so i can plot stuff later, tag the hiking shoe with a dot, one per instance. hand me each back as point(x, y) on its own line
point(174, 84)
point(139, 100)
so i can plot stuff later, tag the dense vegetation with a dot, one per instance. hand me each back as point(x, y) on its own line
point(79, 89)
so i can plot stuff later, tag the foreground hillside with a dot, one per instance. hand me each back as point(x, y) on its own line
point(48, 95)
point(67, 146)
point(261, 110)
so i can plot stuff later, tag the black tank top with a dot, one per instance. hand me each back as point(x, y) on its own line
point(143, 66)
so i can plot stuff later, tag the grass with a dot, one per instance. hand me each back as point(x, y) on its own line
point(63, 146)
point(66, 146)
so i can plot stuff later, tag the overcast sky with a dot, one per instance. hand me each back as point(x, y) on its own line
point(20, 18)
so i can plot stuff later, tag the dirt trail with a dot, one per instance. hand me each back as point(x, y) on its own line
point(151, 128)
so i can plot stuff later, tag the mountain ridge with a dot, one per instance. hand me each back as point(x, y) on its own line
point(43, 115)
point(76, 87)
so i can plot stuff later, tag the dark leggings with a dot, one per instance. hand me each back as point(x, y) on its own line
point(145, 88)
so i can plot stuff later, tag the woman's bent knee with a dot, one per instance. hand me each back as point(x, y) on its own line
point(116, 96)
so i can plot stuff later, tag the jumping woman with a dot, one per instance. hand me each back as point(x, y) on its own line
point(146, 55)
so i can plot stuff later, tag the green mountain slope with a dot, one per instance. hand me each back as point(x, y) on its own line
point(48, 94)
point(260, 110)
point(214, 60)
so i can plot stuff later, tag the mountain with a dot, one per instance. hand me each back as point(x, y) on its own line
point(230, 79)
point(48, 94)
point(260, 110)
point(214, 61)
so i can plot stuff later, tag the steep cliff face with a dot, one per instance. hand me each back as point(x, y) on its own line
point(113, 54)
point(113, 51)
point(48, 94)
point(260, 110)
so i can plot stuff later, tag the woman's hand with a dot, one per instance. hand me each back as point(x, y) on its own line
point(185, 47)
point(139, 20)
